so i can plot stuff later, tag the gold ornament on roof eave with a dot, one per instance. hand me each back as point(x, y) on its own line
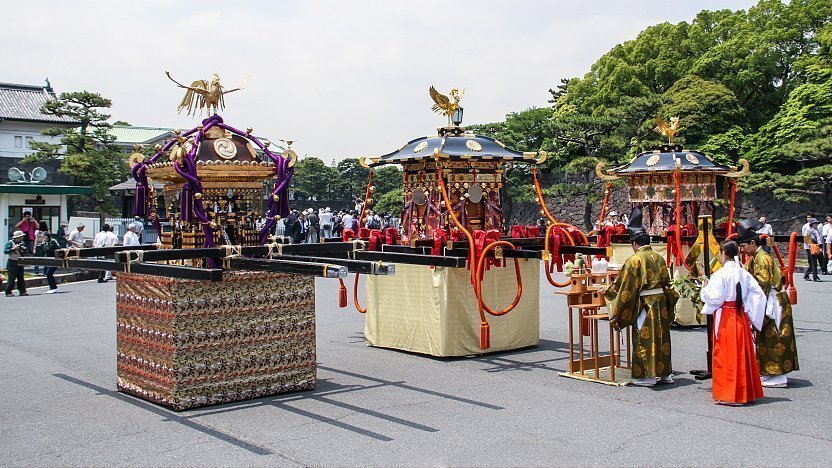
point(204, 95)
point(420, 147)
point(669, 130)
point(446, 105)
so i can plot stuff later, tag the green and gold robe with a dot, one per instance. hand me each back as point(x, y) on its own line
point(643, 271)
point(776, 349)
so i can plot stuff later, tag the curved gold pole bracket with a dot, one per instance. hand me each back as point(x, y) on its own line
point(542, 155)
point(602, 173)
point(746, 168)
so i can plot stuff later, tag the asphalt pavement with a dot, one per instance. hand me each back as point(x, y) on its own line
point(380, 407)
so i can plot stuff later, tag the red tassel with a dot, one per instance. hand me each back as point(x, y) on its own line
point(485, 336)
point(342, 295)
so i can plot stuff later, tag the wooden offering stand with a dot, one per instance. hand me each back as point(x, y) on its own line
point(585, 299)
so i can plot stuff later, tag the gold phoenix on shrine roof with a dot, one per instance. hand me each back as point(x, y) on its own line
point(204, 95)
point(446, 105)
point(669, 130)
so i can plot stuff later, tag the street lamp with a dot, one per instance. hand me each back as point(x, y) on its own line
point(458, 116)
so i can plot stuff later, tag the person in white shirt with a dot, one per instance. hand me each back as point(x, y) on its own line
point(811, 236)
point(827, 236)
point(76, 237)
point(766, 229)
point(139, 228)
point(105, 238)
point(735, 299)
point(325, 218)
point(130, 238)
point(347, 221)
point(611, 219)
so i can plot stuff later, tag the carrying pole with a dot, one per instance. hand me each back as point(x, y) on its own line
point(706, 233)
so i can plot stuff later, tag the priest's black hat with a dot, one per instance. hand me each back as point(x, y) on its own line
point(747, 231)
point(636, 229)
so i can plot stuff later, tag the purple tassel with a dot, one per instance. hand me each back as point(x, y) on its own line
point(140, 201)
point(186, 203)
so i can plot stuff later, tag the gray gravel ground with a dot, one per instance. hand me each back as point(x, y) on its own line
point(381, 407)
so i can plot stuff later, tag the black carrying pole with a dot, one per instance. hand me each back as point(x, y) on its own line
point(706, 252)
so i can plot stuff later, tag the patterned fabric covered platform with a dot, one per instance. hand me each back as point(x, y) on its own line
point(186, 343)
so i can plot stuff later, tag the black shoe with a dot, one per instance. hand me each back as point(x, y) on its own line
point(806, 278)
point(23, 294)
point(102, 281)
point(818, 280)
point(9, 294)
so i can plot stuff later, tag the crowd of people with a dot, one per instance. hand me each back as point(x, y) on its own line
point(34, 238)
point(311, 226)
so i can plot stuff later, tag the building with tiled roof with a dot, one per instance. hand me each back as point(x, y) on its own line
point(21, 102)
point(21, 124)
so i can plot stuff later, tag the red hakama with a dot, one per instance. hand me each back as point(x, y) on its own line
point(736, 377)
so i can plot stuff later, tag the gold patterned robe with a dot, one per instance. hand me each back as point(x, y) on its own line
point(776, 349)
point(651, 343)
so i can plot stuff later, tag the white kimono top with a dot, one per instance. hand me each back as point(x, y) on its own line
point(722, 287)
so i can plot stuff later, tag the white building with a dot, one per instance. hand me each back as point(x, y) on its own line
point(21, 123)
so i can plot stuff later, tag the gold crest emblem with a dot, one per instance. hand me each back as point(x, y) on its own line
point(420, 147)
point(473, 145)
point(225, 148)
point(653, 160)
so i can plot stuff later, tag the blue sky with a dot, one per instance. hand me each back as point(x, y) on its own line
point(343, 78)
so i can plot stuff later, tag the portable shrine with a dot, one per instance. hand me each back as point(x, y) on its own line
point(673, 187)
point(230, 314)
point(453, 261)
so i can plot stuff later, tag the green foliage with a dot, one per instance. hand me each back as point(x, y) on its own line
point(755, 84)
point(352, 178)
point(724, 147)
point(314, 179)
point(390, 203)
point(386, 179)
point(90, 156)
point(708, 108)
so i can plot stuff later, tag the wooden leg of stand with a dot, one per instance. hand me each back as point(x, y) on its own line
point(581, 340)
point(612, 354)
point(629, 361)
point(571, 343)
point(597, 350)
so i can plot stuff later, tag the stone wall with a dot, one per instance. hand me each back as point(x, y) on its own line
point(783, 216)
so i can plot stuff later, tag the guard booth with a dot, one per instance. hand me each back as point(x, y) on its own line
point(47, 203)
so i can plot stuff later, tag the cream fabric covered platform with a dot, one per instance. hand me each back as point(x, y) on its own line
point(434, 311)
point(685, 312)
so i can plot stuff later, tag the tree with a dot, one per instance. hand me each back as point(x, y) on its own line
point(352, 178)
point(390, 203)
point(90, 156)
point(704, 107)
point(313, 179)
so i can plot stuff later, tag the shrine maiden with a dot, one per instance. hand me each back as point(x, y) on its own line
point(641, 297)
point(737, 303)
point(776, 343)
